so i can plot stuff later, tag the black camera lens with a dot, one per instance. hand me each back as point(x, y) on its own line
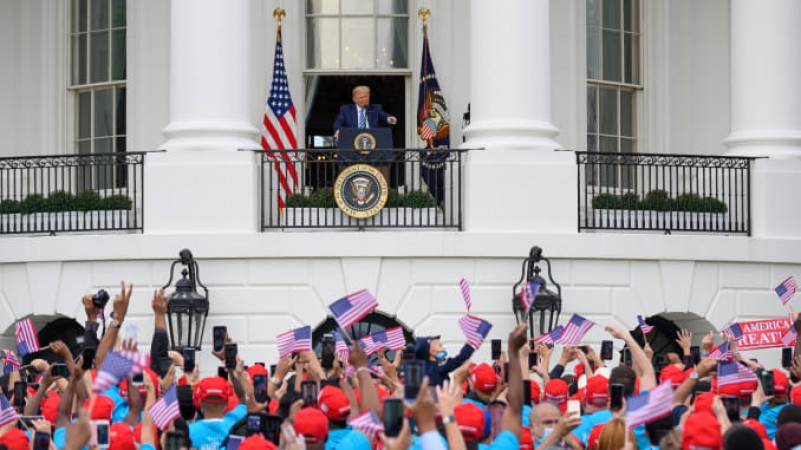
point(100, 299)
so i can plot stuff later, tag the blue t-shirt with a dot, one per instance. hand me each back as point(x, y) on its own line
point(506, 440)
point(334, 436)
point(208, 434)
point(351, 440)
point(768, 418)
point(588, 421)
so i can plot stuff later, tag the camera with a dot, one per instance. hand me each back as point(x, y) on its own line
point(100, 299)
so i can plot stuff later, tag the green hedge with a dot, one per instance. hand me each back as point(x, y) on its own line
point(659, 200)
point(60, 201)
point(324, 198)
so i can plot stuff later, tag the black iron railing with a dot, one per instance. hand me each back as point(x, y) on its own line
point(71, 193)
point(660, 192)
point(424, 189)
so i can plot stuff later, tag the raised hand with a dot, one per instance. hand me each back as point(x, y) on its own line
point(684, 339)
point(121, 302)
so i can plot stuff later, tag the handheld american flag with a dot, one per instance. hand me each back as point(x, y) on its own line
point(644, 327)
point(296, 340)
point(368, 423)
point(464, 286)
point(550, 337)
point(7, 413)
point(788, 339)
point(279, 131)
point(786, 290)
point(475, 329)
point(341, 347)
point(118, 366)
point(722, 353)
point(733, 330)
point(27, 340)
point(527, 295)
point(353, 307)
point(732, 372)
point(10, 362)
point(575, 330)
point(166, 409)
point(391, 338)
point(649, 406)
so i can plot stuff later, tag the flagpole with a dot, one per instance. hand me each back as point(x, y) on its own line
point(279, 13)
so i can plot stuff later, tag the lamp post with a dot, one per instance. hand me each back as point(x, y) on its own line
point(545, 300)
point(187, 309)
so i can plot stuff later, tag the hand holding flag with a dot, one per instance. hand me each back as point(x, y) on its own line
point(550, 337)
point(649, 406)
point(644, 327)
point(475, 329)
point(575, 330)
point(27, 339)
point(295, 340)
point(166, 408)
point(118, 366)
point(786, 290)
point(353, 308)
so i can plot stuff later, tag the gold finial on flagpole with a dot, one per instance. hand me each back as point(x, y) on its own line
point(423, 13)
point(278, 13)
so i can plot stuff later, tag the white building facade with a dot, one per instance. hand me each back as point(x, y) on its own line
point(541, 79)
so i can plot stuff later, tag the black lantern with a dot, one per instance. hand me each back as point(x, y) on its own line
point(187, 310)
point(545, 300)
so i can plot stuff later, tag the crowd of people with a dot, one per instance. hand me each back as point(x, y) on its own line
point(310, 401)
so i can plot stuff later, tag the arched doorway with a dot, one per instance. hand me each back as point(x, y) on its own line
point(372, 323)
point(49, 329)
point(666, 328)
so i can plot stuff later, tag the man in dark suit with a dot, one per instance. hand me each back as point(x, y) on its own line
point(361, 114)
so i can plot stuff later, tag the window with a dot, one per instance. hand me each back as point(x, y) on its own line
point(98, 83)
point(357, 34)
point(613, 80)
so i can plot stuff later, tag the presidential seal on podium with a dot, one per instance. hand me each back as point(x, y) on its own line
point(361, 191)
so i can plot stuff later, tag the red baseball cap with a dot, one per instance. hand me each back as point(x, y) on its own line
point(556, 392)
point(526, 442)
point(703, 402)
point(757, 426)
point(49, 407)
point(675, 375)
point(103, 408)
point(484, 378)
point(334, 403)
point(781, 385)
point(137, 433)
point(121, 437)
point(795, 395)
point(701, 430)
point(257, 369)
point(312, 424)
point(597, 391)
point(595, 436)
point(536, 392)
point(15, 439)
point(470, 420)
point(213, 390)
point(257, 442)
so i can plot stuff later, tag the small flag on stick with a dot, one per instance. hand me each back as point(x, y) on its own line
point(464, 286)
point(786, 290)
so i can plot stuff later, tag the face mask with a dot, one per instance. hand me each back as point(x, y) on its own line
point(442, 355)
point(545, 432)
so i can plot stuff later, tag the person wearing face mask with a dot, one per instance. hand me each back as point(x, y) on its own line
point(431, 350)
point(550, 428)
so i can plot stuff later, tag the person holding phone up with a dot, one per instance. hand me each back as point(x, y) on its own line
point(431, 350)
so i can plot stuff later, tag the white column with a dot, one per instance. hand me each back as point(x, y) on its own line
point(766, 109)
point(203, 183)
point(517, 182)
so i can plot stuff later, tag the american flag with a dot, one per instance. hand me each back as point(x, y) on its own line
point(7, 413)
point(368, 423)
point(341, 347)
point(475, 329)
point(644, 327)
point(279, 131)
point(550, 337)
point(11, 362)
point(118, 366)
point(732, 372)
point(722, 353)
point(392, 339)
point(166, 409)
point(576, 328)
point(353, 307)
point(27, 340)
point(786, 290)
point(464, 286)
point(377, 370)
point(296, 340)
point(733, 330)
point(527, 294)
point(788, 339)
point(649, 406)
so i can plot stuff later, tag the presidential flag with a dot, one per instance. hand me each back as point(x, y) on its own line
point(118, 366)
point(7, 412)
point(732, 372)
point(27, 340)
point(788, 339)
point(722, 353)
point(166, 408)
point(550, 337)
point(786, 290)
point(296, 340)
point(575, 330)
point(733, 330)
point(644, 327)
point(475, 329)
point(649, 406)
point(433, 126)
point(279, 131)
point(527, 294)
point(464, 286)
point(368, 423)
point(391, 338)
point(341, 347)
point(353, 307)
point(10, 362)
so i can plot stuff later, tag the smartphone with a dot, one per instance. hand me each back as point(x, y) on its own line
point(219, 337)
point(175, 440)
point(584, 348)
point(101, 433)
point(272, 369)
point(222, 372)
point(506, 372)
point(254, 424)
point(88, 358)
point(695, 352)
point(41, 441)
point(767, 383)
point(138, 379)
point(230, 356)
point(189, 359)
point(413, 378)
point(532, 360)
point(234, 442)
point(27, 421)
point(496, 349)
point(271, 428)
point(260, 388)
point(615, 396)
point(393, 416)
point(327, 352)
point(787, 357)
point(574, 406)
point(308, 391)
point(607, 349)
point(164, 366)
point(627, 356)
point(527, 392)
point(20, 392)
point(732, 406)
point(186, 404)
point(60, 370)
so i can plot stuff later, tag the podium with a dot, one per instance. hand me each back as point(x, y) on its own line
point(358, 145)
